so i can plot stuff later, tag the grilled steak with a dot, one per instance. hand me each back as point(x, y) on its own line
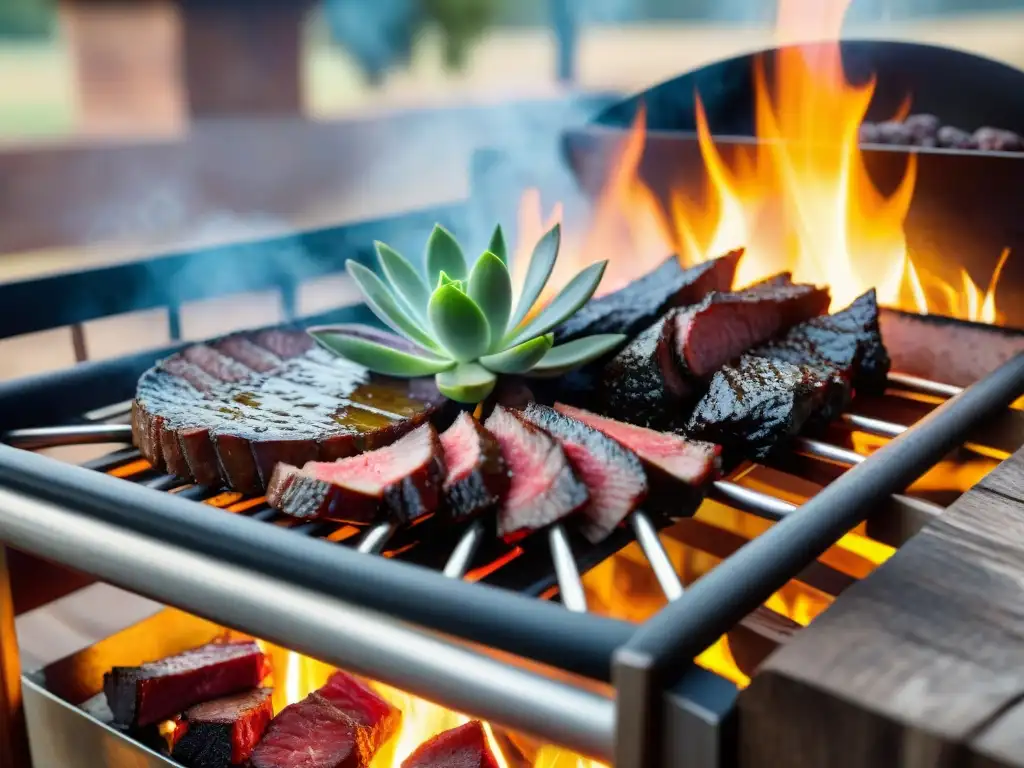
point(677, 469)
point(223, 732)
point(226, 412)
point(543, 488)
point(613, 474)
point(462, 747)
point(402, 481)
point(478, 477)
point(755, 403)
point(633, 308)
point(158, 690)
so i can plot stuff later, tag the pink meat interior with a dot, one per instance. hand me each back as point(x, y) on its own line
point(528, 453)
point(708, 338)
point(461, 448)
point(690, 462)
point(370, 473)
point(611, 490)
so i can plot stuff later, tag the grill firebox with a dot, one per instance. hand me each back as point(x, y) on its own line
point(409, 620)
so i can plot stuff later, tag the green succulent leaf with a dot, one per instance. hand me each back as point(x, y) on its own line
point(466, 383)
point(490, 286)
point(459, 325)
point(379, 351)
point(404, 279)
point(521, 358)
point(541, 263)
point(444, 254)
point(564, 305)
point(573, 354)
point(386, 307)
point(498, 246)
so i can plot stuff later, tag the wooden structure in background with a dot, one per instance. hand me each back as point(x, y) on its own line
point(917, 666)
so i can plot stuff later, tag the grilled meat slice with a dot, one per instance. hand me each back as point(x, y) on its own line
point(755, 403)
point(635, 307)
point(223, 732)
point(224, 413)
point(402, 480)
point(543, 488)
point(678, 470)
point(342, 725)
point(462, 747)
point(478, 477)
point(613, 474)
point(158, 690)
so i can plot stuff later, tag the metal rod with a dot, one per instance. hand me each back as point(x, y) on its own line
point(36, 438)
point(739, 584)
point(580, 643)
point(570, 585)
point(373, 540)
point(917, 384)
point(366, 642)
point(820, 450)
point(462, 556)
point(13, 730)
point(749, 500)
point(873, 426)
point(647, 537)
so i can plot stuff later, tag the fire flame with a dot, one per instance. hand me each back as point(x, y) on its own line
point(800, 199)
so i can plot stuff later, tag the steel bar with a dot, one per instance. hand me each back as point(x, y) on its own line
point(820, 450)
point(462, 556)
point(872, 426)
point(570, 585)
point(925, 386)
point(749, 500)
point(647, 537)
point(373, 540)
point(36, 438)
point(363, 641)
point(534, 629)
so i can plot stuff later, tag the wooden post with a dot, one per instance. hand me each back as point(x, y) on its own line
point(13, 734)
point(919, 665)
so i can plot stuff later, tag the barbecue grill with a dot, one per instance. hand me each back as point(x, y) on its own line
point(453, 618)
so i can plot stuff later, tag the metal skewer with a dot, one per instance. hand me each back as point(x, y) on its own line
point(373, 540)
point(570, 585)
point(37, 438)
point(464, 552)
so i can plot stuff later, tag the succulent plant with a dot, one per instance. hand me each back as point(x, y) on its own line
point(465, 330)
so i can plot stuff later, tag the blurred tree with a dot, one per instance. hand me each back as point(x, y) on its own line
point(27, 18)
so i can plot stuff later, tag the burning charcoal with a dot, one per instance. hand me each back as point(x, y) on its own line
point(923, 128)
point(543, 488)
point(755, 404)
point(478, 476)
point(223, 732)
point(955, 138)
point(998, 140)
point(342, 725)
point(159, 690)
point(894, 133)
point(227, 412)
point(462, 747)
point(869, 134)
point(640, 303)
point(402, 481)
point(613, 474)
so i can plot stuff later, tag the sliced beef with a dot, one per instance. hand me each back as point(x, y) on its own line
point(613, 474)
point(401, 481)
point(342, 725)
point(543, 488)
point(478, 477)
point(678, 470)
point(223, 732)
point(756, 403)
point(158, 690)
point(633, 308)
point(462, 747)
point(224, 413)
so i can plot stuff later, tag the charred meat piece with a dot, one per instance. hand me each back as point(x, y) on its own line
point(756, 403)
point(543, 488)
point(677, 469)
point(402, 481)
point(342, 725)
point(613, 474)
point(223, 732)
point(850, 342)
point(224, 413)
point(462, 747)
point(635, 307)
point(158, 690)
point(478, 477)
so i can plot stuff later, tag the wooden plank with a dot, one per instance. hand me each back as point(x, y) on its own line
point(909, 665)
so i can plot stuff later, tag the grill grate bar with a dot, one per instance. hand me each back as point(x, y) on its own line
point(664, 571)
point(820, 450)
point(872, 426)
point(462, 556)
point(37, 438)
point(749, 500)
point(570, 585)
point(924, 386)
point(376, 538)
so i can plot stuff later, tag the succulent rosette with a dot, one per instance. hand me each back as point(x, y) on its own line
point(466, 330)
